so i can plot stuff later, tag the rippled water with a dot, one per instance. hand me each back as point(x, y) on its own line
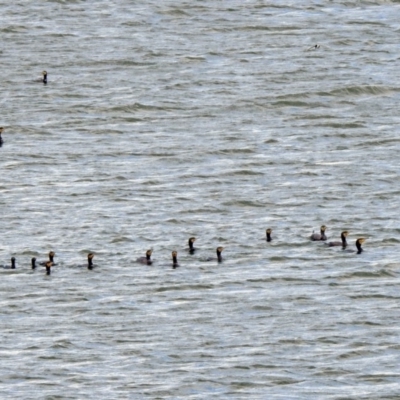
point(165, 120)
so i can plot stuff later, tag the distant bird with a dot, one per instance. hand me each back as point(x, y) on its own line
point(315, 47)
point(319, 236)
point(343, 243)
point(175, 260)
point(48, 266)
point(12, 266)
point(359, 242)
point(268, 232)
point(90, 260)
point(44, 77)
point(146, 260)
point(33, 262)
point(51, 258)
point(1, 139)
point(191, 247)
point(219, 255)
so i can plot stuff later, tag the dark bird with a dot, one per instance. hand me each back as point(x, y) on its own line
point(90, 261)
point(268, 232)
point(12, 266)
point(175, 260)
point(219, 255)
point(191, 247)
point(33, 262)
point(315, 47)
point(359, 242)
point(1, 139)
point(44, 77)
point(51, 258)
point(146, 260)
point(319, 236)
point(343, 243)
point(48, 265)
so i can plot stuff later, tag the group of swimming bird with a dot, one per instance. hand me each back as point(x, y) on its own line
point(50, 263)
point(343, 236)
point(146, 260)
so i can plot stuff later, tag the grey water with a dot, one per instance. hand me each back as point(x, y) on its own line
point(213, 119)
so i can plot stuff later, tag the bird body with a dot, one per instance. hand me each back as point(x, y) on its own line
point(48, 265)
point(145, 260)
point(268, 233)
point(175, 260)
point(319, 236)
point(191, 246)
point(359, 242)
point(343, 243)
point(51, 259)
point(219, 255)
point(90, 260)
point(12, 266)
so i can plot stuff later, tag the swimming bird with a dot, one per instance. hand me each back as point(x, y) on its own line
point(268, 232)
point(44, 77)
point(90, 260)
point(175, 260)
point(319, 236)
point(51, 258)
point(1, 139)
point(315, 47)
point(343, 243)
point(33, 262)
point(219, 255)
point(48, 265)
point(146, 260)
point(191, 247)
point(359, 242)
point(12, 266)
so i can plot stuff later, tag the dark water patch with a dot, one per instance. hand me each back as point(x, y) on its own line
point(373, 296)
point(121, 239)
point(297, 103)
point(368, 274)
point(360, 91)
point(243, 203)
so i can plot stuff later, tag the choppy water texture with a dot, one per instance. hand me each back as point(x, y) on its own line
point(214, 119)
